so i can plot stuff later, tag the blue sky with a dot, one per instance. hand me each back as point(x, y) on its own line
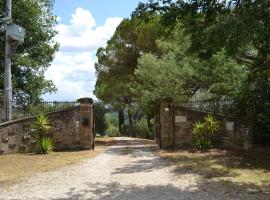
point(100, 9)
point(83, 26)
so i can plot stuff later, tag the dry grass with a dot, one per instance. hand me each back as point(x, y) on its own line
point(16, 166)
point(105, 141)
point(235, 168)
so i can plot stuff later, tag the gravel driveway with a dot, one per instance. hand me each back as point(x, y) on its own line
point(129, 170)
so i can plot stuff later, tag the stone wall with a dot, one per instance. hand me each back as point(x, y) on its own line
point(68, 131)
point(176, 123)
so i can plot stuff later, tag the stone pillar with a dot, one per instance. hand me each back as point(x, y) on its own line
point(166, 124)
point(86, 122)
point(2, 111)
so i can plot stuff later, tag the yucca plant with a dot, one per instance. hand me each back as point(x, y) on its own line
point(203, 131)
point(45, 145)
point(211, 124)
point(42, 126)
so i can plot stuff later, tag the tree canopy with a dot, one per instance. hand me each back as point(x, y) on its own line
point(35, 55)
point(204, 49)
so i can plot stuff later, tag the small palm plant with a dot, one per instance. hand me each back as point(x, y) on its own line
point(42, 126)
point(203, 132)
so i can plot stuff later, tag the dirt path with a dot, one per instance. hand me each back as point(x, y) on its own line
point(129, 170)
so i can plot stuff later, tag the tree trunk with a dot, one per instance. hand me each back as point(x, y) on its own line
point(130, 120)
point(121, 118)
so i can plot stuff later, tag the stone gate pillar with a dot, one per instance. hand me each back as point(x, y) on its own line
point(86, 122)
point(166, 123)
point(2, 110)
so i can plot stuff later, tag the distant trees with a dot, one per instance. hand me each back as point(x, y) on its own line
point(35, 55)
point(100, 123)
point(198, 48)
point(118, 60)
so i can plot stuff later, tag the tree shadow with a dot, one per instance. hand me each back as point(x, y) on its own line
point(146, 155)
point(143, 165)
point(213, 190)
point(214, 184)
point(220, 163)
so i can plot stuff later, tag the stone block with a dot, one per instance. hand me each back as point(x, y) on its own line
point(58, 121)
point(76, 143)
point(57, 143)
point(5, 140)
point(26, 138)
point(11, 146)
point(166, 142)
point(26, 126)
point(22, 149)
point(11, 132)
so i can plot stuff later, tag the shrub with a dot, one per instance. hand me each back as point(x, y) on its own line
point(100, 123)
point(142, 129)
point(113, 131)
point(42, 126)
point(203, 131)
point(261, 125)
point(112, 125)
point(45, 145)
point(139, 129)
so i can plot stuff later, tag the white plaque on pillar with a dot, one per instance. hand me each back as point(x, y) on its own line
point(77, 124)
point(180, 118)
point(230, 126)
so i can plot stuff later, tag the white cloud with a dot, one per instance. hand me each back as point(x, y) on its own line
point(73, 75)
point(72, 70)
point(83, 34)
point(58, 19)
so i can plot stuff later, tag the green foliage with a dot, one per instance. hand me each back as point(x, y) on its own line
point(113, 131)
point(179, 75)
point(190, 49)
point(165, 76)
point(118, 61)
point(112, 126)
point(211, 124)
point(262, 125)
point(35, 55)
point(41, 127)
point(140, 129)
point(100, 111)
point(143, 130)
point(203, 131)
point(226, 35)
point(111, 118)
point(44, 145)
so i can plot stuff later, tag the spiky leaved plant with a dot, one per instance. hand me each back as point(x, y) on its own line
point(203, 131)
point(42, 126)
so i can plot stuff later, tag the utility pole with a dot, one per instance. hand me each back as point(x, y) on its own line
point(8, 53)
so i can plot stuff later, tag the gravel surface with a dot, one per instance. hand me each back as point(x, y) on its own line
point(129, 170)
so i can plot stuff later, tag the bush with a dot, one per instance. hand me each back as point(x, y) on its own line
point(113, 131)
point(112, 125)
point(42, 126)
point(203, 131)
point(140, 129)
point(261, 125)
point(100, 124)
point(45, 145)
